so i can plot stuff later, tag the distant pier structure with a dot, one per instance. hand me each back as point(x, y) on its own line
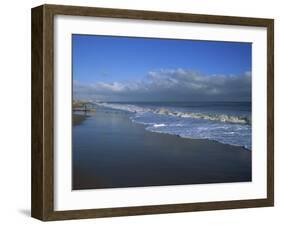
point(85, 106)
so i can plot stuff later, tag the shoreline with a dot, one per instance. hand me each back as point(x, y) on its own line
point(111, 151)
point(199, 139)
point(225, 126)
point(77, 119)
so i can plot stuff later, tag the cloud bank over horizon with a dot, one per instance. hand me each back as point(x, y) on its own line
point(170, 85)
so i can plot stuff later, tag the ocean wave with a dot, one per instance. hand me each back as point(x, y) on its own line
point(227, 129)
point(230, 134)
point(158, 125)
point(194, 115)
point(212, 117)
point(124, 107)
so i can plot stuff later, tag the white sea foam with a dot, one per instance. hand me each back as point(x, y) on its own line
point(124, 107)
point(224, 128)
point(194, 115)
point(158, 125)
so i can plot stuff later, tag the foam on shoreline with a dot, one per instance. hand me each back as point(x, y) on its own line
point(164, 111)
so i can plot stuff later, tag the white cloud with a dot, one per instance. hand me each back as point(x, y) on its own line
point(171, 85)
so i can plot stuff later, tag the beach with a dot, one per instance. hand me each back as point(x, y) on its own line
point(78, 119)
point(111, 151)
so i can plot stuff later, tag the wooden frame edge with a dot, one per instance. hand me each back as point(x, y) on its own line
point(42, 198)
point(157, 209)
point(37, 113)
point(155, 15)
point(42, 113)
point(270, 111)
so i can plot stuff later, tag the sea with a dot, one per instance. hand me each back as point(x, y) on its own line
point(224, 122)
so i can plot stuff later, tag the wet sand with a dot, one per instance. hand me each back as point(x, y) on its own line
point(78, 119)
point(110, 151)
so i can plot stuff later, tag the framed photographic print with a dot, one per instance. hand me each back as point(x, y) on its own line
point(141, 112)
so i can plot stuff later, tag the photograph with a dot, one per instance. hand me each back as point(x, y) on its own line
point(137, 112)
point(159, 112)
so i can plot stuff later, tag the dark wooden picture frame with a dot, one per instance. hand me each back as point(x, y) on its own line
point(42, 204)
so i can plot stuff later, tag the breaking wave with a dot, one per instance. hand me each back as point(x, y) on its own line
point(193, 115)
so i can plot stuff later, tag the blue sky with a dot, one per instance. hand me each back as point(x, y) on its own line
point(114, 63)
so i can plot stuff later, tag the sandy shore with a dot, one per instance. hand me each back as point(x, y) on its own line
point(110, 151)
point(78, 119)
